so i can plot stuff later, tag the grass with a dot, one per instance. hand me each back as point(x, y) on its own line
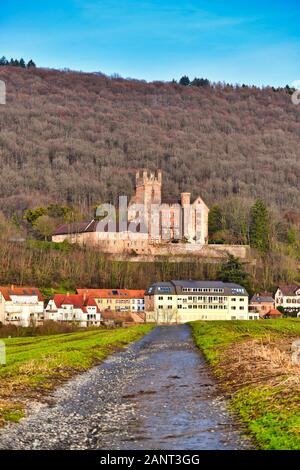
point(252, 360)
point(36, 365)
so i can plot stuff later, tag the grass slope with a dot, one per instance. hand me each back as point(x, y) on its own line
point(35, 365)
point(253, 362)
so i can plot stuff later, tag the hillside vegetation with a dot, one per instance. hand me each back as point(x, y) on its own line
point(70, 140)
point(77, 139)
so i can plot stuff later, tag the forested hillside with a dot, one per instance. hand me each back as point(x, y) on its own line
point(77, 139)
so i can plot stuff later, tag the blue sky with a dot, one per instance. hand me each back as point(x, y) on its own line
point(255, 42)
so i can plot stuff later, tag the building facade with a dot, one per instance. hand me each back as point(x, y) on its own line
point(262, 303)
point(73, 308)
point(21, 306)
point(288, 297)
point(184, 301)
point(117, 300)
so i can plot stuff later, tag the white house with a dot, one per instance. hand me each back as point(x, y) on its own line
point(21, 306)
point(288, 297)
point(184, 301)
point(75, 308)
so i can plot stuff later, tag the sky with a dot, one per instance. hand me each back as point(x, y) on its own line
point(236, 41)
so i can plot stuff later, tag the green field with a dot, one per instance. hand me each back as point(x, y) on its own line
point(252, 360)
point(35, 365)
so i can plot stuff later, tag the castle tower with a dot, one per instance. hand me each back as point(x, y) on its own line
point(148, 188)
point(148, 192)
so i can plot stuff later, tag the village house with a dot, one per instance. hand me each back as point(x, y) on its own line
point(262, 303)
point(288, 297)
point(117, 300)
point(272, 314)
point(21, 306)
point(183, 301)
point(74, 308)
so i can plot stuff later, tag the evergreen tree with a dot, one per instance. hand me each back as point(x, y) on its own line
point(292, 235)
point(3, 61)
point(185, 81)
point(200, 82)
point(22, 63)
point(215, 220)
point(232, 271)
point(31, 64)
point(259, 230)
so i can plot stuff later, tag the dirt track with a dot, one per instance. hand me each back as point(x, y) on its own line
point(156, 394)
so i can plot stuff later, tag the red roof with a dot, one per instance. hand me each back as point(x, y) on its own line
point(77, 300)
point(112, 293)
point(274, 312)
point(7, 292)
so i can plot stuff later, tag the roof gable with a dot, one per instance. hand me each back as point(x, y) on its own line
point(8, 292)
point(289, 289)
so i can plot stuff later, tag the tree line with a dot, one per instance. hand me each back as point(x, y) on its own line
point(204, 82)
point(17, 63)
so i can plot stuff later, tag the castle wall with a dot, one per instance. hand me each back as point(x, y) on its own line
point(139, 244)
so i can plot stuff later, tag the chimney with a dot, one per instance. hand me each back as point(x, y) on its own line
point(185, 199)
point(12, 287)
point(84, 297)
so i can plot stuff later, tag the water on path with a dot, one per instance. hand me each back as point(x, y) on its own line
point(156, 394)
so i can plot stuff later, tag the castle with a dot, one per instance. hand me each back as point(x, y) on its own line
point(149, 226)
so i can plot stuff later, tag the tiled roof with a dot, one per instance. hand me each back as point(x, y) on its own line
point(76, 227)
point(94, 226)
point(229, 288)
point(263, 297)
point(7, 292)
point(289, 289)
point(77, 300)
point(112, 293)
point(274, 311)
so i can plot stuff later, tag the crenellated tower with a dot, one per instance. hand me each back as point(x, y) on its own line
point(148, 188)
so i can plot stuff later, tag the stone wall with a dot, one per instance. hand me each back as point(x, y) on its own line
point(120, 243)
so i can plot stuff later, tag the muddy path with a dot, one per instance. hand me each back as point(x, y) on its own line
point(156, 394)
